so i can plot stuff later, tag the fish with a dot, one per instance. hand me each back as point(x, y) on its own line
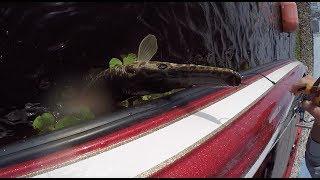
point(147, 76)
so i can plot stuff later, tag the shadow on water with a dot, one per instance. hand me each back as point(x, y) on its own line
point(46, 47)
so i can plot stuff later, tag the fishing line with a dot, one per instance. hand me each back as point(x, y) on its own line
point(274, 83)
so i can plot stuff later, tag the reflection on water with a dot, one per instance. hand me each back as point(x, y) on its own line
point(45, 46)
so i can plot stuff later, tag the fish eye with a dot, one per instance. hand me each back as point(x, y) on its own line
point(162, 66)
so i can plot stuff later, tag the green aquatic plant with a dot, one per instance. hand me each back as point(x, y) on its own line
point(129, 59)
point(67, 121)
point(114, 62)
point(44, 122)
point(126, 60)
point(47, 122)
point(84, 113)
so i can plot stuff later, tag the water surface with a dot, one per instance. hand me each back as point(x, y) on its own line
point(46, 47)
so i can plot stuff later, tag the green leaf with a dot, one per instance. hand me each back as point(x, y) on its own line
point(129, 59)
point(84, 113)
point(132, 55)
point(44, 122)
point(114, 62)
point(66, 121)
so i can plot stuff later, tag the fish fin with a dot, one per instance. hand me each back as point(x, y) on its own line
point(147, 48)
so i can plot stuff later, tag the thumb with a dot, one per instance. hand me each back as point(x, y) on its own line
point(313, 109)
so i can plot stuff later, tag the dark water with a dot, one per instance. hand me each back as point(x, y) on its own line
point(48, 45)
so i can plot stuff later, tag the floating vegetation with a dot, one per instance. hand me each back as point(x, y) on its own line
point(126, 60)
point(115, 62)
point(47, 122)
point(44, 122)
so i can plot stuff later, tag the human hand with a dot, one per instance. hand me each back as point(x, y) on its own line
point(304, 82)
point(298, 88)
point(309, 106)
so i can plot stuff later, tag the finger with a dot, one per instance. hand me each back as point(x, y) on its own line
point(302, 84)
point(312, 109)
point(297, 88)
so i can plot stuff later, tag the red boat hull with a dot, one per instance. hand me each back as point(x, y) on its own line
point(234, 147)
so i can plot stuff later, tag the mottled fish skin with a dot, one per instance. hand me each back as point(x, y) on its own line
point(144, 77)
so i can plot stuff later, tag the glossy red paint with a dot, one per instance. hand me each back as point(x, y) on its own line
point(121, 135)
point(239, 145)
point(293, 154)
